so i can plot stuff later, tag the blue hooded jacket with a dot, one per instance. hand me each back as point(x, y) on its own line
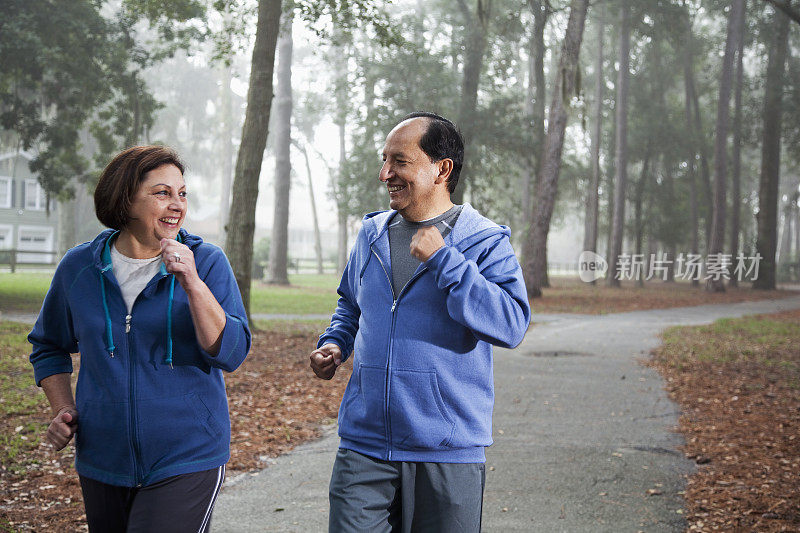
point(157, 407)
point(422, 387)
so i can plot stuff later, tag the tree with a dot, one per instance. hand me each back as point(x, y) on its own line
point(536, 93)
point(239, 243)
point(721, 140)
point(49, 93)
point(592, 200)
point(477, 28)
point(536, 264)
point(621, 156)
point(767, 217)
point(736, 156)
point(278, 252)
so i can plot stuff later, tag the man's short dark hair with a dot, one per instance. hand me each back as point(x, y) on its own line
point(441, 140)
point(121, 179)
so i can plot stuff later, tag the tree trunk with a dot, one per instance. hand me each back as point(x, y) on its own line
point(476, 28)
point(592, 200)
point(637, 208)
point(227, 152)
point(695, 123)
point(341, 256)
point(785, 250)
point(736, 155)
point(721, 139)
point(534, 111)
point(692, 155)
point(536, 266)
point(767, 217)
point(279, 247)
point(621, 156)
point(239, 241)
point(317, 236)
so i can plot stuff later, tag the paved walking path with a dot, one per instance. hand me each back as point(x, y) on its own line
point(582, 431)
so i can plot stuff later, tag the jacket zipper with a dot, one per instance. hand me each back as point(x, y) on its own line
point(395, 299)
point(132, 404)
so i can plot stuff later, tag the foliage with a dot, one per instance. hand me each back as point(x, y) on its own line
point(68, 66)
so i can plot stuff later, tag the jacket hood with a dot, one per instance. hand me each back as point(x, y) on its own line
point(470, 228)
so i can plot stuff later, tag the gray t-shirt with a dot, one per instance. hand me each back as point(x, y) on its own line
point(400, 233)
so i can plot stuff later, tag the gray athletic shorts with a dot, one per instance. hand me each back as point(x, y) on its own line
point(178, 504)
point(376, 496)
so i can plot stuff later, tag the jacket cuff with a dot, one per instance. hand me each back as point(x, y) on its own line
point(439, 257)
point(47, 368)
point(233, 348)
point(333, 340)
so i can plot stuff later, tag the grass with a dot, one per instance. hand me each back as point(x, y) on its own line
point(23, 292)
point(308, 294)
point(752, 338)
point(19, 398)
point(313, 294)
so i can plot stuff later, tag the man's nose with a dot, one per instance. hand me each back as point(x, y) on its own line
point(383, 175)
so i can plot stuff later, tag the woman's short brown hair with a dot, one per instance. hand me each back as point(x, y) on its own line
point(121, 178)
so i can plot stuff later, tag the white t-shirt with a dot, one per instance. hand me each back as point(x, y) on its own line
point(133, 275)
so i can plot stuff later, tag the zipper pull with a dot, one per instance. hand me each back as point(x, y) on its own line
point(127, 323)
point(394, 305)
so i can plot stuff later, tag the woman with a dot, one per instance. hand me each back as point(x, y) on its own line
point(150, 411)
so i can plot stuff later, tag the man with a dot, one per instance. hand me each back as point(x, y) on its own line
point(429, 288)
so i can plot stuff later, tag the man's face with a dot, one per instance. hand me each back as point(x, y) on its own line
point(412, 180)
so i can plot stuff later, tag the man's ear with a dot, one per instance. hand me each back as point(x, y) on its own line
point(445, 169)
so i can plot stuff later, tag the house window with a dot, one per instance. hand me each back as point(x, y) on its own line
point(5, 237)
point(35, 238)
point(5, 192)
point(34, 195)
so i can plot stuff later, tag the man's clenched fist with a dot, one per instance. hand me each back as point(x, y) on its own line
point(325, 360)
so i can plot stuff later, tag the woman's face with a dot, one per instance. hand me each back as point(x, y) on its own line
point(159, 206)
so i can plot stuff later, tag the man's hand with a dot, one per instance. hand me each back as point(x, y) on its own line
point(325, 360)
point(62, 428)
point(425, 242)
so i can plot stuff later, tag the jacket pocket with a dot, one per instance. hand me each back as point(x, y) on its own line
point(419, 418)
point(361, 415)
point(103, 441)
point(175, 430)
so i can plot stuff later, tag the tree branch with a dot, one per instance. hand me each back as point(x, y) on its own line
point(787, 9)
point(465, 11)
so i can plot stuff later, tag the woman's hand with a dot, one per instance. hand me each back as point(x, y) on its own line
point(62, 428)
point(208, 317)
point(179, 260)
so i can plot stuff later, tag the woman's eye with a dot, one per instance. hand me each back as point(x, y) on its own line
point(162, 193)
point(182, 194)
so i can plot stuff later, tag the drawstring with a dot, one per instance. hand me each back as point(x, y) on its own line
point(109, 335)
point(106, 257)
point(169, 321)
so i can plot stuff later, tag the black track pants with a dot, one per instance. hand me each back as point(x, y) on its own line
point(179, 504)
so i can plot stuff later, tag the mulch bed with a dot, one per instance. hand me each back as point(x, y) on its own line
point(741, 422)
point(275, 402)
point(574, 296)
